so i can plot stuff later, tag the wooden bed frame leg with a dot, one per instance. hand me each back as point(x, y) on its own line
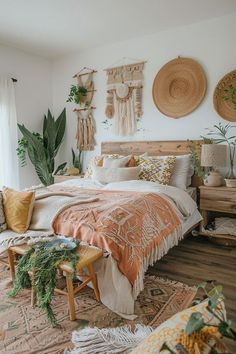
point(94, 281)
point(70, 296)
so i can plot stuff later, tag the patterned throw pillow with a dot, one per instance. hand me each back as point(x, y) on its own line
point(171, 332)
point(157, 169)
point(3, 224)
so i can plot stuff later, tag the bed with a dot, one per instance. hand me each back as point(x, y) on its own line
point(135, 211)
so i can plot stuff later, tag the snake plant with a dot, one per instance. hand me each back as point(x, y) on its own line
point(43, 148)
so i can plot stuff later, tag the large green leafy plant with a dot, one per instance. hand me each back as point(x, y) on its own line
point(43, 148)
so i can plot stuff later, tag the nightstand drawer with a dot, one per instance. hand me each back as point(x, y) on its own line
point(222, 199)
point(218, 205)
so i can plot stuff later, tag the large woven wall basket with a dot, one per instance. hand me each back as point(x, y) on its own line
point(179, 87)
point(225, 108)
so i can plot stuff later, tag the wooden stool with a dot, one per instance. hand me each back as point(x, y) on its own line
point(87, 256)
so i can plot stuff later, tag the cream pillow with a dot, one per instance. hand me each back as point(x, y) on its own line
point(96, 161)
point(110, 162)
point(3, 224)
point(108, 175)
point(157, 169)
point(18, 208)
point(182, 172)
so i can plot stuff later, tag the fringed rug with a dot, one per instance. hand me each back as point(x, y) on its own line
point(24, 330)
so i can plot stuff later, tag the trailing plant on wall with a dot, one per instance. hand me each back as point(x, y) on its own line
point(43, 148)
point(77, 94)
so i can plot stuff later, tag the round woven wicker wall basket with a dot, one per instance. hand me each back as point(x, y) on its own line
point(225, 108)
point(179, 87)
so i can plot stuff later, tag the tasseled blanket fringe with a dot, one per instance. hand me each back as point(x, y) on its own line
point(157, 253)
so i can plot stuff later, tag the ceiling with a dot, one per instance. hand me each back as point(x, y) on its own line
point(56, 27)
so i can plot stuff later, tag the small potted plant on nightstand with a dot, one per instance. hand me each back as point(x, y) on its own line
point(221, 135)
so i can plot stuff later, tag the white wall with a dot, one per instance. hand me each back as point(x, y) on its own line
point(211, 43)
point(33, 94)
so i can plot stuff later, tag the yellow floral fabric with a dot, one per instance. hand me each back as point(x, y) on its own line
point(171, 332)
point(157, 169)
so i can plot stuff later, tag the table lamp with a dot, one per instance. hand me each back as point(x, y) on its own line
point(212, 156)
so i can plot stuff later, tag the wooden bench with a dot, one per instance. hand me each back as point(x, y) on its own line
point(87, 256)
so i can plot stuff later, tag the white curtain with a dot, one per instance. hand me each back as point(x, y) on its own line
point(9, 173)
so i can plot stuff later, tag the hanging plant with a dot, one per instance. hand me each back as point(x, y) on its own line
point(44, 258)
point(77, 94)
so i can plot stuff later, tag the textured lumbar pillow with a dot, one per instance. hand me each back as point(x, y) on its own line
point(157, 169)
point(108, 175)
point(3, 224)
point(18, 208)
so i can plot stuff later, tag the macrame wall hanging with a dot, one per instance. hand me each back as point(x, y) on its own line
point(124, 97)
point(86, 126)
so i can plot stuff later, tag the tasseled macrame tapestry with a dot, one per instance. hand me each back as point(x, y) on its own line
point(86, 126)
point(86, 130)
point(124, 97)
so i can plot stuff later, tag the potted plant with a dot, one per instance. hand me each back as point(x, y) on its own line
point(77, 95)
point(76, 169)
point(199, 172)
point(43, 148)
point(221, 134)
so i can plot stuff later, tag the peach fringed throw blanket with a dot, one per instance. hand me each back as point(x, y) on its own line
point(129, 225)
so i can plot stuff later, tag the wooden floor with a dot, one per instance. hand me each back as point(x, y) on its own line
point(195, 260)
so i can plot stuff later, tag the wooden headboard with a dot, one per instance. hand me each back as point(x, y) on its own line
point(153, 148)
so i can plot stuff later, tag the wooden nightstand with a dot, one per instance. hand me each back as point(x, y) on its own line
point(217, 201)
point(62, 178)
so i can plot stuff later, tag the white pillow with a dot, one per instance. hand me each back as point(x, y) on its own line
point(108, 175)
point(110, 162)
point(182, 172)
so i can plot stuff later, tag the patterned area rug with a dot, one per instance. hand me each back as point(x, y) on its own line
point(24, 330)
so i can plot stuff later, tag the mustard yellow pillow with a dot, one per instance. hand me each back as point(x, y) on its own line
point(18, 208)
